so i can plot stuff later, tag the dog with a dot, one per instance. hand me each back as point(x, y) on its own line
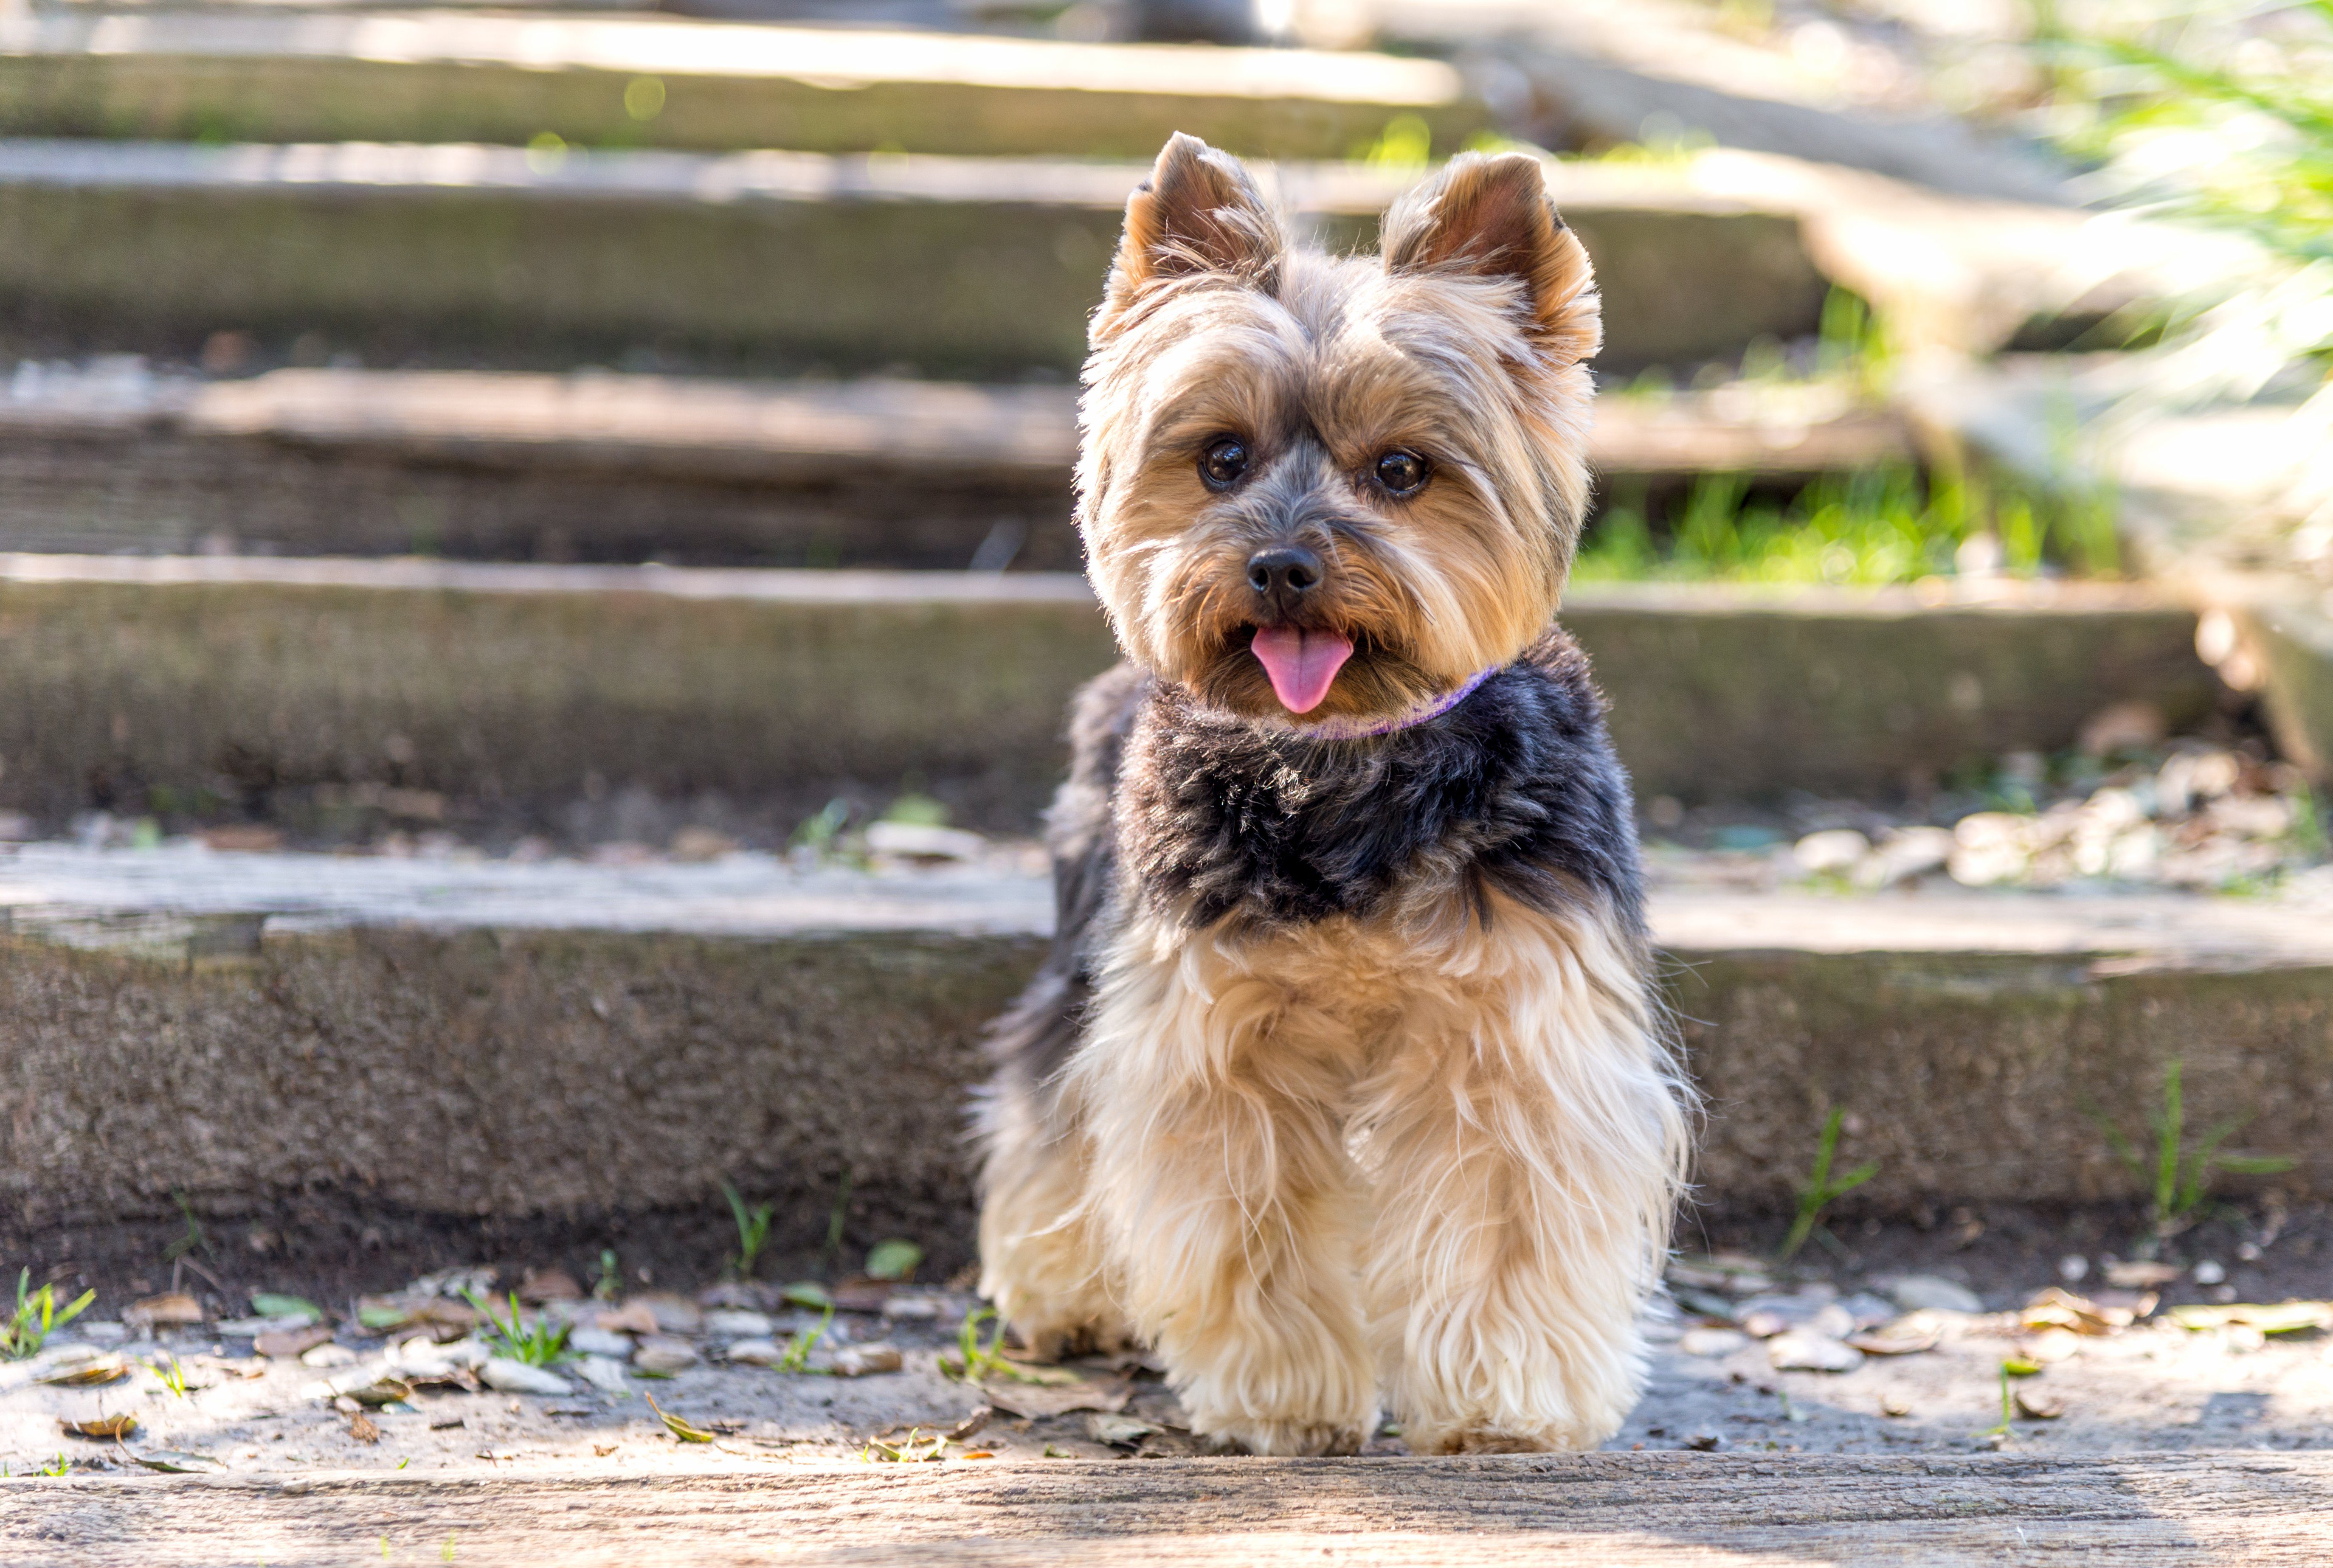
point(1344, 1086)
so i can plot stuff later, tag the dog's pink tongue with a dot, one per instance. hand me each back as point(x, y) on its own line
point(1302, 664)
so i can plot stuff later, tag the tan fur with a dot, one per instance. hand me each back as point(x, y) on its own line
point(1425, 1155)
point(1464, 345)
point(1423, 1159)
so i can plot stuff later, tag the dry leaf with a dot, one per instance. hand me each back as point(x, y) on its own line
point(2284, 1317)
point(677, 1427)
point(362, 1428)
point(549, 1285)
point(105, 1369)
point(285, 1344)
point(1895, 1340)
point(176, 1310)
point(2039, 1404)
point(112, 1427)
point(860, 1360)
point(969, 1425)
point(2057, 1308)
point(177, 1462)
point(1037, 1401)
point(2140, 1275)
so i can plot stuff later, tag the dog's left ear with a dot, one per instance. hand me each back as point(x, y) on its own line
point(1490, 216)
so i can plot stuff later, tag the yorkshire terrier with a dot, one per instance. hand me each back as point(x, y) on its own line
point(1344, 1087)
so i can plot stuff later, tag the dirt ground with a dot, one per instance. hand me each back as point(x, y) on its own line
point(2154, 1384)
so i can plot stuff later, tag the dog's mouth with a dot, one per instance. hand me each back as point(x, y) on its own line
point(1301, 662)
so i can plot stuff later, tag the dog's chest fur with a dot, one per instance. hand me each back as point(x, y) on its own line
point(1514, 792)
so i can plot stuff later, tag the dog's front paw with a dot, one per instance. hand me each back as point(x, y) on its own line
point(1303, 1438)
point(1424, 1438)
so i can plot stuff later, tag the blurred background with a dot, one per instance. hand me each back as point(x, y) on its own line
point(537, 589)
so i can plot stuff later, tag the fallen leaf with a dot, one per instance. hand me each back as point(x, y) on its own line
point(969, 1425)
point(2138, 1274)
point(1120, 1431)
point(105, 1369)
point(604, 1450)
point(678, 1428)
point(2284, 1317)
point(806, 1293)
point(362, 1428)
point(288, 1343)
point(1037, 1401)
point(113, 1427)
point(174, 1310)
point(2057, 1308)
point(976, 1454)
point(860, 1360)
point(266, 1304)
point(549, 1285)
point(177, 1462)
point(2039, 1404)
point(1895, 1340)
point(633, 1319)
point(2019, 1367)
point(894, 1260)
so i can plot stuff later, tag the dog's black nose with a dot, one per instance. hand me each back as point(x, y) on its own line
point(1283, 574)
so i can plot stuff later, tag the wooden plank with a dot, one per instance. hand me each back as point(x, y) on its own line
point(2258, 1509)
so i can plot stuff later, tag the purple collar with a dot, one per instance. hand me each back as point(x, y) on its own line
point(1339, 729)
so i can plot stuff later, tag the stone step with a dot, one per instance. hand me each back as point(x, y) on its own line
point(260, 75)
point(466, 255)
point(608, 467)
point(571, 699)
point(510, 1040)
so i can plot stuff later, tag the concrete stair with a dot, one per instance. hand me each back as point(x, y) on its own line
point(471, 256)
point(253, 74)
point(508, 1040)
point(605, 467)
point(543, 698)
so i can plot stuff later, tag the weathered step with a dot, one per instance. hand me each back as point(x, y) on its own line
point(609, 467)
point(498, 1038)
point(636, 81)
point(560, 699)
point(473, 255)
point(1652, 1510)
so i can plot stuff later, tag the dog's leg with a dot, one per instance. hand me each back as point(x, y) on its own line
point(1039, 1260)
point(1228, 1205)
point(1525, 1133)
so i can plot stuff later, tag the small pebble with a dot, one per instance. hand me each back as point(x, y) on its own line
point(757, 1351)
point(1806, 1350)
point(665, 1352)
point(2073, 1267)
point(2208, 1272)
point(515, 1377)
point(865, 1359)
point(1711, 1341)
point(738, 1325)
point(605, 1373)
point(594, 1340)
point(327, 1354)
point(1926, 1292)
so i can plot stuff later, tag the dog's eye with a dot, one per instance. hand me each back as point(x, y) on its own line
point(1223, 461)
point(1402, 473)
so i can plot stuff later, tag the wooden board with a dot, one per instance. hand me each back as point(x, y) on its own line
point(2258, 1509)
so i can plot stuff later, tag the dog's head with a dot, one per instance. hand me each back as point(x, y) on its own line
point(1336, 487)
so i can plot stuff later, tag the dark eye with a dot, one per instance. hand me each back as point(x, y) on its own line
point(1223, 461)
point(1402, 473)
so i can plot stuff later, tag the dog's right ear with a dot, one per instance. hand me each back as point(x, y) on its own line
point(1198, 213)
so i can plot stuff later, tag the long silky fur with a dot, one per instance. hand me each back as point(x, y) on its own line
point(1344, 1081)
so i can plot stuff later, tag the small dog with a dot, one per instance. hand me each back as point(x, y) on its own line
point(1344, 1080)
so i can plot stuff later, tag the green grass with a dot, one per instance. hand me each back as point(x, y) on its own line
point(1872, 528)
point(753, 1231)
point(1820, 1190)
point(542, 1343)
point(2179, 1172)
point(37, 1316)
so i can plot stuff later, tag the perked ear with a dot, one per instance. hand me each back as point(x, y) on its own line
point(1490, 216)
point(1198, 213)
